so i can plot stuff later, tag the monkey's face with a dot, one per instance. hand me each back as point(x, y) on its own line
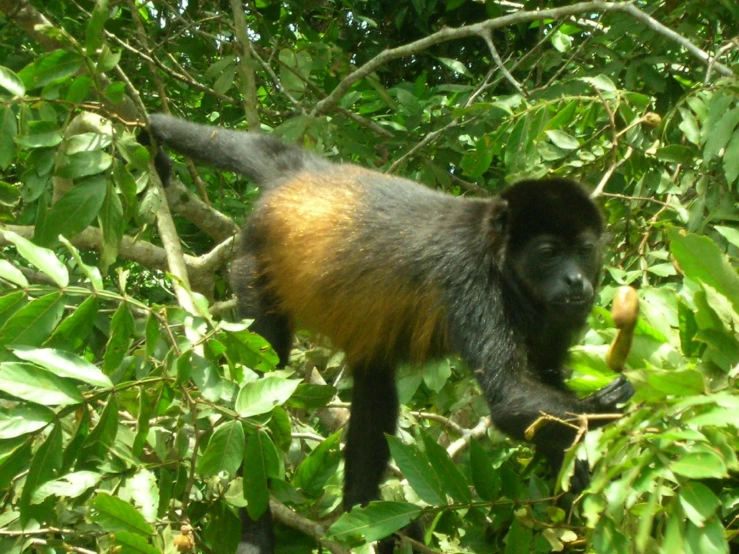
point(558, 272)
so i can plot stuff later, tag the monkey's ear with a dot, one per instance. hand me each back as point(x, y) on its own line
point(500, 217)
point(497, 228)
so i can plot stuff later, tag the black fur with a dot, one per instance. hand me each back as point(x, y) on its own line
point(262, 158)
point(516, 277)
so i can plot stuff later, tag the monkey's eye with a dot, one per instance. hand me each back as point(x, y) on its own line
point(546, 252)
point(586, 249)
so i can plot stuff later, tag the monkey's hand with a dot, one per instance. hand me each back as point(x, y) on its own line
point(609, 398)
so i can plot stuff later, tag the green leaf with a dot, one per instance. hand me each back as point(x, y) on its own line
point(225, 450)
point(689, 126)
point(373, 522)
point(14, 460)
point(729, 233)
point(675, 153)
point(73, 331)
point(94, 31)
point(9, 194)
point(709, 539)
point(56, 66)
point(456, 66)
point(678, 383)
point(563, 140)
point(121, 329)
point(705, 464)
point(45, 465)
point(281, 429)
point(519, 538)
point(144, 488)
point(107, 61)
point(152, 334)
point(91, 272)
point(24, 419)
point(309, 396)
point(731, 159)
point(225, 80)
point(485, 479)
point(8, 132)
point(79, 90)
point(131, 543)
point(87, 142)
point(436, 373)
point(476, 162)
point(84, 164)
point(110, 217)
point(564, 116)
point(12, 274)
point(561, 42)
point(33, 323)
point(11, 82)
point(41, 134)
point(41, 258)
point(701, 260)
point(417, 469)
point(114, 515)
point(260, 396)
point(515, 155)
point(71, 485)
point(720, 134)
point(698, 502)
point(258, 457)
point(205, 375)
point(294, 71)
point(293, 129)
point(600, 82)
point(30, 383)
point(64, 364)
point(318, 466)
point(97, 444)
point(451, 479)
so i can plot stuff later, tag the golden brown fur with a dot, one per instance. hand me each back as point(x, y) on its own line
point(307, 226)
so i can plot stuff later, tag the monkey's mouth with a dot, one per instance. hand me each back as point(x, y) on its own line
point(572, 301)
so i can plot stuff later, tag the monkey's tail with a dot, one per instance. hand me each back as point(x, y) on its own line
point(262, 158)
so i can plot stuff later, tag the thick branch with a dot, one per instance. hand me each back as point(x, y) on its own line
point(200, 269)
point(184, 203)
point(28, 18)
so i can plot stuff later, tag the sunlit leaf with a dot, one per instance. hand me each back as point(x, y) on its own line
point(114, 514)
point(36, 385)
point(225, 450)
point(375, 521)
point(64, 364)
point(260, 396)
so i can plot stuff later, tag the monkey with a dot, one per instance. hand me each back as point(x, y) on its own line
point(392, 271)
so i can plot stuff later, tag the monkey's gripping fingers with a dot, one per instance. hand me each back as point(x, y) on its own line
point(609, 397)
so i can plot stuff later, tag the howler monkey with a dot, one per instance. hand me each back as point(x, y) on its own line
point(392, 271)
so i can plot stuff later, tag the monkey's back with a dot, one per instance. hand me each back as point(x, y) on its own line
point(353, 255)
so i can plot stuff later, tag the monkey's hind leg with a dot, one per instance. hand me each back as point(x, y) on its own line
point(374, 412)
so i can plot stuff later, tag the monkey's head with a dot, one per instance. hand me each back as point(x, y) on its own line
point(554, 236)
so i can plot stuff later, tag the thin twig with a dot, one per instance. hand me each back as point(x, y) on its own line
point(487, 36)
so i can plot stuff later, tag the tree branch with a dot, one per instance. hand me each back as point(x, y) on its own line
point(245, 68)
point(466, 31)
